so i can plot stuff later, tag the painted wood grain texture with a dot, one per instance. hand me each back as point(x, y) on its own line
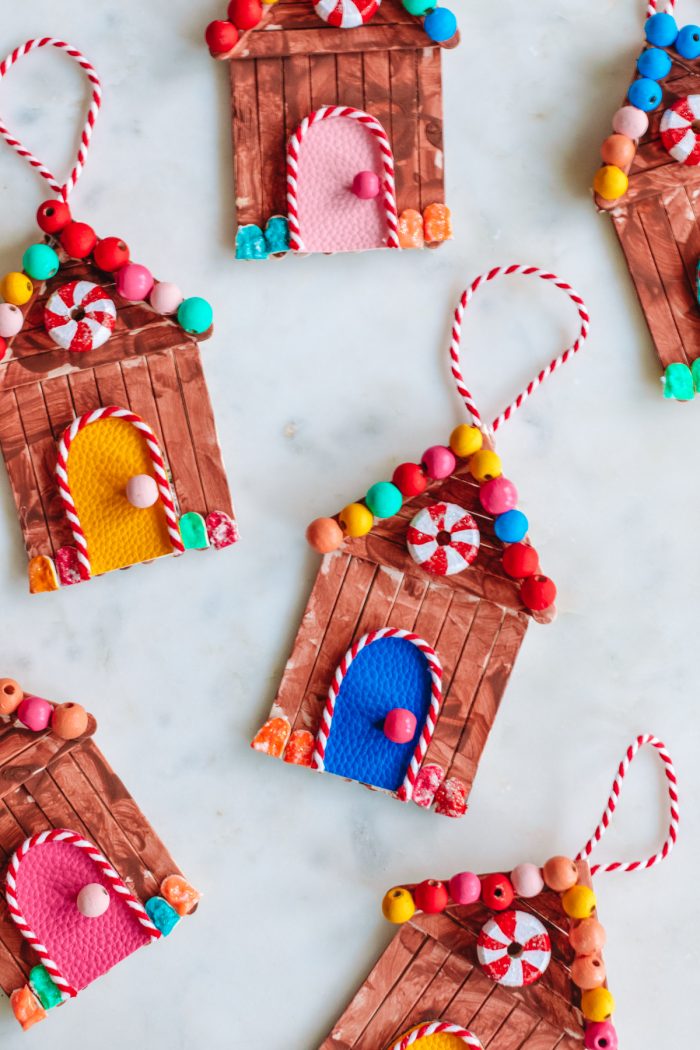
point(247, 170)
point(178, 445)
point(23, 480)
point(403, 72)
point(42, 450)
point(325, 39)
point(272, 134)
point(430, 144)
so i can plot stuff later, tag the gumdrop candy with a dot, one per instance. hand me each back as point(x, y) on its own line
point(277, 235)
point(679, 382)
point(162, 915)
point(68, 566)
point(26, 1007)
point(300, 748)
point(193, 531)
point(221, 529)
point(451, 798)
point(272, 738)
point(179, 894)
point(427, 782)
point(42, 985)
point(437, 223)
point(250, 243)
point(411, 229)
point(42, 575)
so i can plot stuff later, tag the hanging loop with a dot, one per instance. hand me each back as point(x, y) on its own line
point(654, 7)
point(467, 295)
point(95, 102)
point(605, 820)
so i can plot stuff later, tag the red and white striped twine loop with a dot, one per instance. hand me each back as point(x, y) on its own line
point(515, 269)
point(605, 821)
point(93, 109)
point(653, 7)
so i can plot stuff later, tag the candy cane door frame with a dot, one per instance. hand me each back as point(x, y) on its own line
point(384, 671)
point(437, 1035)
point(328, 210)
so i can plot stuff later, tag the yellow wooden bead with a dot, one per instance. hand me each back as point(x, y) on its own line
point(466, 440)
point(485, 465)
point(398, 905)
point(597, 1005)
point(356, 519)
point(610, 182)
point(16, 288)
point(579, 902)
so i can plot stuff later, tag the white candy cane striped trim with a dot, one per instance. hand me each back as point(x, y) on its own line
point(467, 295)
point(63, 835)
point(405, 792)
point(86, 134)
point(164, 489)
point(388, 183)
point(437, 1028)
point(674, 814)
point(653, 7)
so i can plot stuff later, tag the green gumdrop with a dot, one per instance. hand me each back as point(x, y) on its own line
point(195, 315)
point(40, 262)
point(695, 373)
point(679, 382)
point(384, 499)
point(193, 531)
point(419, 7)
point(43, 987)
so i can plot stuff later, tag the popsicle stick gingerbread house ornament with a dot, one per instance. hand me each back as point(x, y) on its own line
point(649, 183)
point(106, 426)
point(337, 123)
point(86, 880)
point(417, 615)
point(505, 961)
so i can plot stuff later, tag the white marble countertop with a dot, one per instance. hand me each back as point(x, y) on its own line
point(315, 399)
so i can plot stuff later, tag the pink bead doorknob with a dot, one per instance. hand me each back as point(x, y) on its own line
point(365, 185)
point(141, 491)
point(93, 900)
point(400, 725)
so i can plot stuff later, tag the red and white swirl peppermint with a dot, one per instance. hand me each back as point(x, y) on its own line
point(346, 14)
point(80, 316)
point(514, 949)
point(443, 539)
point(678, 134)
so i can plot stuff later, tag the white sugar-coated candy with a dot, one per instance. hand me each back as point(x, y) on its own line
point(141, 491)
point(93, 900)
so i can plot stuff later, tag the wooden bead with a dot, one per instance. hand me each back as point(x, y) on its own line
point(410, 479)
point(597, 1004)
point(440, 24)
point(53, 216)
point(69, 721)
point(40, 262)
point(142, 491)
point(11, 696)
point(538, 593)
point(78, 240)
point(579, 902)
point(511, 527)
point(111, 254)
point(398, 905)
point(93, 900)
point(356, 520)
point(245, 14)
point(16, 288)
point(485, 465)
point(588, 971)
point(498, 496)
point(134, 282)
point(630, 121)
point(466, 440)
point(324, 535)
point(601, 1035)
point(195, 315)
point(618, 150)
point(431, 896)
point(497, 892)
point(35, 713)
point(527, 880)
point(221, 37)
point(644, 93)
point(588, 937)
point(688, 42)
point(560, 874)
point(465, 888)
point(365, 185)
point(610, 182)
point(384, 499)
point(166, 298)
point(661, 29)
point(400, 725)
point(438, 462)
point(520, 560)
point(654, 63)
point(11, 320)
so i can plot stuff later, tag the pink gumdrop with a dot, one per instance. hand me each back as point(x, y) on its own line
point(166, 298)
point(134, 282)
point(93, 900)
point(11, 320)
point(630, 121)
point(438, 462)
point(465, 888)
point(601, 1035)
point(35, 713)
point(400, 725)
point(527, 880)
point(141, 491)
point(498, 495)
point(365, 185)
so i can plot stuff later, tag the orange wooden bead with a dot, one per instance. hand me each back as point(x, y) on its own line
point(587, 937)
point(69, 721)
point(325, 535)
point(618, 150)
point(11, 696)
point(560, 874)
point(179, 894)
point(587, 972)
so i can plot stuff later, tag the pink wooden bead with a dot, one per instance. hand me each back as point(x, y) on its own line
point(35, 713)
point(11, 320)
point(141, 491)
point(498, 496)
point(93, 900)
point(601, 1035)
point(134, 282)
point(465, 888)
point(365, 185)
point(400, 725)
point(166, 297)
point(630, 121)
point(438, 462)
point(527, 880)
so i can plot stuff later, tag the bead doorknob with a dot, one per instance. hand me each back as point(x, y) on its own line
point(400, 725)
point(93, 900)
point(141, 491)
point(365, 185)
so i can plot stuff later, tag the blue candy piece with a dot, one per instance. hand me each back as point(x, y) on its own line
point(277, 234)
point(687, 44)
point(162, 915)
point(250, 243)
point(661, 30)
point(440, 24)
point(511, 527)
point(645, 94)
point(654, 64)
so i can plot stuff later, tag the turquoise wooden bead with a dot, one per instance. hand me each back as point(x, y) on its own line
point(688, 42)
point(195, 315)
point(661, 29)
point(40, 262)
point(384, 499)
point(645, 94)
point(654, 64)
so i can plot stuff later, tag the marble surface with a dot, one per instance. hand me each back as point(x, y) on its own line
point(325, 373)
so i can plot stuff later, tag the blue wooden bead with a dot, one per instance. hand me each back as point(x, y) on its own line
point(511, 527)
point(440, 24)
point(688, 42)
point(661, 29)
point(645, 94)
point(654, 64)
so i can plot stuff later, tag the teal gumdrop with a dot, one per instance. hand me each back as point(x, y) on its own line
point(679, 382)
point(43, 987)
point(195, 315)
point(695, 373)
point(277, 235)
point(384, 499)
point(250, 243)
point(419, 7)
point(193, 531)
point(162, 915)
point(40, 262)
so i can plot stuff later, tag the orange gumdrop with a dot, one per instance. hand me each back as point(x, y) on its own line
point(179, 894)
point(272, 738)
point(300, 748)
point(410, 229)
point(26, 1007)
point(42, 575)
point(437, 223)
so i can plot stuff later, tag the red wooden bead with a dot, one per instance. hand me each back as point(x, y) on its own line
point(245, 14)
point(431, 896)
point(497, 892)
point(3, 347)
point(111, 254)
point(78, 239)
point(410, 479)
point(221, 37)
point(520, 560)
point(538, 593)
point(53, 216)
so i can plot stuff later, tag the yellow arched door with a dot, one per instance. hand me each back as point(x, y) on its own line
point(439, 1040)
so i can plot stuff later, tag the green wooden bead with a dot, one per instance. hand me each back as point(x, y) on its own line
point(195, 315)
point(40, 262)
point(419, 7)
point(384, 499)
